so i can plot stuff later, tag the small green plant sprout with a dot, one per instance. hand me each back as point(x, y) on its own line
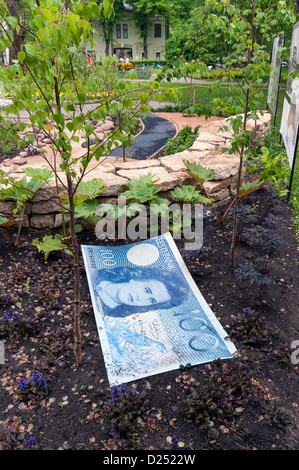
point(119, 213)
point(5, 223)
point(142, 189)
point(85, 200)
point(50, 244)
point(275, 169)
point(249, 185)
point(188, 193)
point(199, 172)
point(22, 190)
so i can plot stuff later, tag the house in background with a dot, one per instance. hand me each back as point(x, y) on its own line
point(126, 39)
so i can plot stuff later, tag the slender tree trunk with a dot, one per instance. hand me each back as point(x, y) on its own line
point(20, 225)
point(112, 46)
point(77, 329)
point(13, 8)
point(235, 222)
point(107, 44)
point(145, 48)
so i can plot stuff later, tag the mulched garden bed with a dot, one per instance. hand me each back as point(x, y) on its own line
point(248, 402)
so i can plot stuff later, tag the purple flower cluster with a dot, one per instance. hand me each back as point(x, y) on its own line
point(10, 315)
point(117, 391)
point(4, 298)
point(37, 381)
point(65, 255)
point(246, 311)
point(23, 384)
point(174, 443)
point(30, 442)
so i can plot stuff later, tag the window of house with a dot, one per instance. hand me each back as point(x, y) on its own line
point(158, 56)
point(125, 30)
point(158, 30)
point(118, 31)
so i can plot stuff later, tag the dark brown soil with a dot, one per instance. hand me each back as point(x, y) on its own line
point(247, 403)
point(12, 154)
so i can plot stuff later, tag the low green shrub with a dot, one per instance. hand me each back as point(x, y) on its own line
point(184, 140)
point(149, 63)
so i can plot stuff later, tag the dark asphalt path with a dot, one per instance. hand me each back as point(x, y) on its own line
point(154, 136)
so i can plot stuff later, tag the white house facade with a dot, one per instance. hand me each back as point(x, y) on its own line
point(126, 39)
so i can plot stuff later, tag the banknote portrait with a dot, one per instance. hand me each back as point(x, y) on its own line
point(150, 315)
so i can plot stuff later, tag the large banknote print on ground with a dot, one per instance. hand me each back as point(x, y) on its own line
point(150, 315)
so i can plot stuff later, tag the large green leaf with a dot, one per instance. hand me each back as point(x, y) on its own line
point(249, 186)
point(91, 188)
point(50, 244)
point(198, 171)
point(8, 223)
point(40, 173)
point(188, 193)
point(22, 190)
point(141, 189)
point(86, 209)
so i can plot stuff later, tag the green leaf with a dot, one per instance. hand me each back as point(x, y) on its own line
point(50, 244)
point(188, 193)
point(30, 187)
point(88, 128)
point(249, 186)
point(40, 21)
point(86, 209)
point(12, 21)
point(21, 56)
point(30, 50)
point(107, 208)
point(39, 173)
point(198, 171)
point(91, 188)
point(141, 189)
point(8, 223)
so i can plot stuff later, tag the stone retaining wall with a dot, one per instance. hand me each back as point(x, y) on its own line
point(43, 209)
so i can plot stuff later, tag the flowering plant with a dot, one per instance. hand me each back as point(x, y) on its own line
point(34, 386)
point(126, 66)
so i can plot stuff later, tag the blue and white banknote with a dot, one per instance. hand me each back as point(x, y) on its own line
point(151, 317)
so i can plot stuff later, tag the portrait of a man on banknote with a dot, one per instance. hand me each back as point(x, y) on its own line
point(124, 291)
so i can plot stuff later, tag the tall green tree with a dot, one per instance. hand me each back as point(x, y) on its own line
point(51, 81)
point(107, 25)
point(22, 10)
point(246, 31)
point(190, 36)
point(142, 11)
